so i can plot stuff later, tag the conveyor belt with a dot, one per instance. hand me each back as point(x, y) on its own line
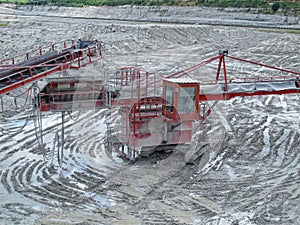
point(32, 68)
point(218, 92)
point(34, 61)
point(16, 75)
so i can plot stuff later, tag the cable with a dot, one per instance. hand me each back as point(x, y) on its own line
point(55, 143)
point(25, 103)
point(58, 144)
point(7, 132)
point(30, 113)
point(264, 65)
point(38, 123)
point(17, 109)
point(37, 119)
point(60, 152)
point(19, 95)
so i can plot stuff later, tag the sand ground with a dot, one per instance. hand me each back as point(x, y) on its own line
point(253, 173)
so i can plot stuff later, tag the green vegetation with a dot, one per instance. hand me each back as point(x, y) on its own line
point(275, 6)
point(280, 31)
point(268, 6)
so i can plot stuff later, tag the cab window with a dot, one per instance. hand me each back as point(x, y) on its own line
point(186, 100)
point(169, 99)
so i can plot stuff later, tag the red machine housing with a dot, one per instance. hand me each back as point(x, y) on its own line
point(71, 94)
point(160, 122)
point(154, 123)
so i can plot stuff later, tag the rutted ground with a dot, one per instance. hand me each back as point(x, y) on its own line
point(254, 178)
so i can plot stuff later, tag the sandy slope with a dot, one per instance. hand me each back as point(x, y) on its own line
point(253, 177)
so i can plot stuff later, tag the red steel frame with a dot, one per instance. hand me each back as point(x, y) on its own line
point(125, 77)
point(143, 111)
point(68, 57)
point(68, 99)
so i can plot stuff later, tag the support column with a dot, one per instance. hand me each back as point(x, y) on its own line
point(2, 103)
point(60, 153)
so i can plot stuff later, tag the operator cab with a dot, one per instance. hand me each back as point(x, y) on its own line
point(180, 99)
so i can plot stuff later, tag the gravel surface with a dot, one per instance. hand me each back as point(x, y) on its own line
point(253, 172)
